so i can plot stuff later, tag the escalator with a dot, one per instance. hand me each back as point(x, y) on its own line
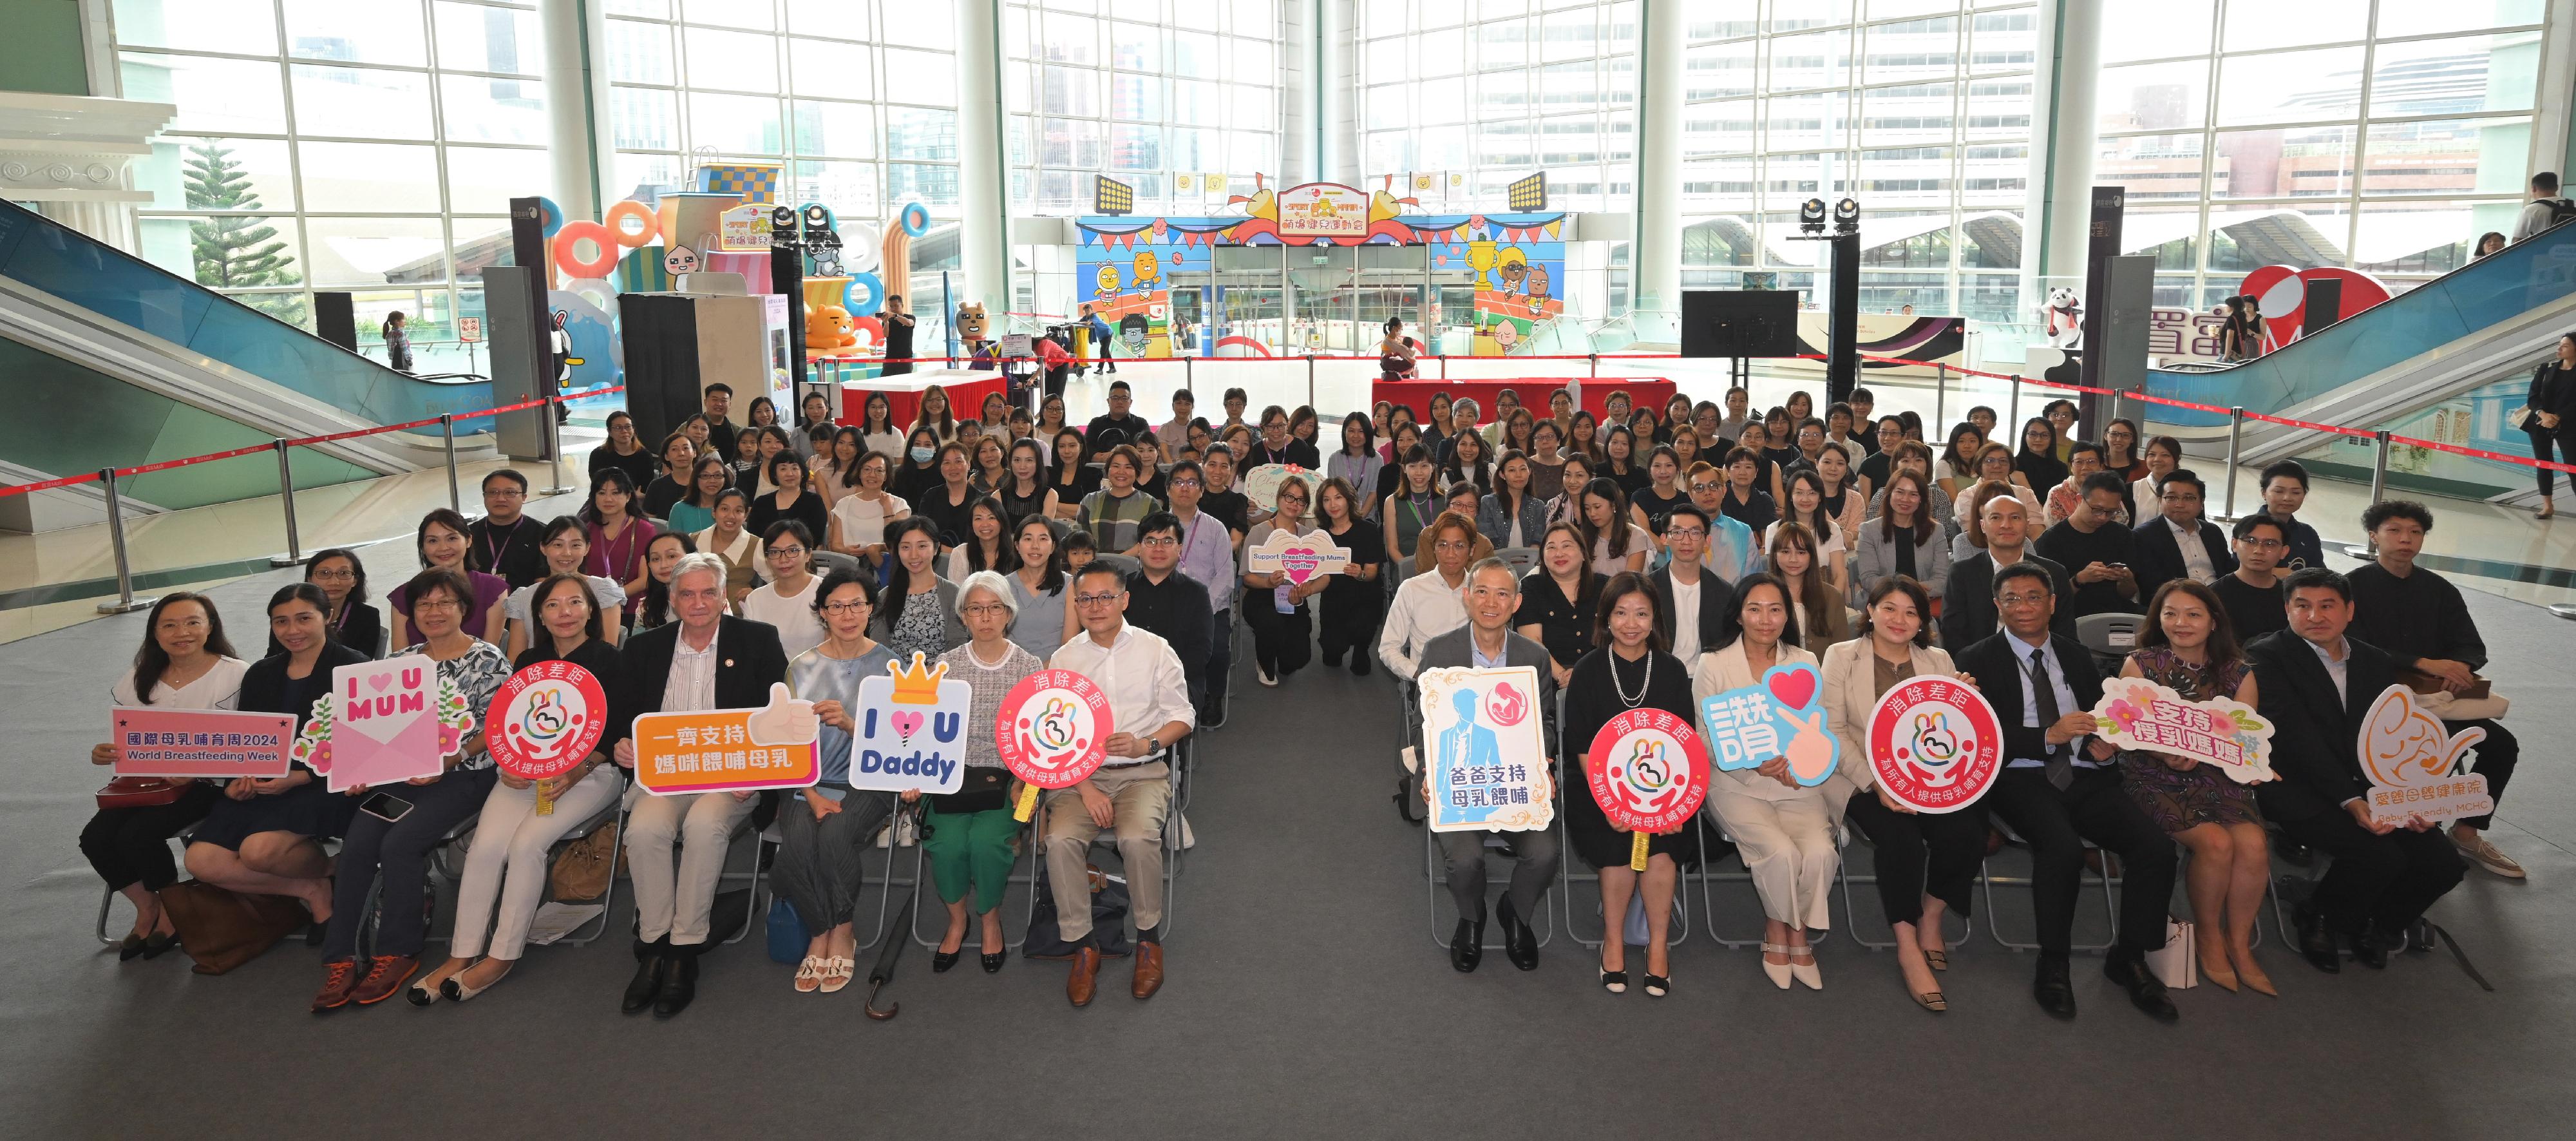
point(123, 363)
point(2445, 361)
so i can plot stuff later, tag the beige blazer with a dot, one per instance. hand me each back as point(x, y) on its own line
point(1722, 670)
point(1851, 693)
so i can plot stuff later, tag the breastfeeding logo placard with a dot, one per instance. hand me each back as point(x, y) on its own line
point(545, 719)
point(1935, 744)
point(1648, 773)
point(1053, 732)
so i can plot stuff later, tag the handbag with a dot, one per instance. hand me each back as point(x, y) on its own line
point(2177, 963)
point(2521, 418)
point(141, 792)
point(583, 869)
point(787, 935)
point(981, 789)
point(1108, 919)
point(223, 929)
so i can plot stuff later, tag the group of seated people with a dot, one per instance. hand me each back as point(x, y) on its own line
point(1118, 550)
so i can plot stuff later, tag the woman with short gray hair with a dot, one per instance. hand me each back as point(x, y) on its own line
point(967, 833)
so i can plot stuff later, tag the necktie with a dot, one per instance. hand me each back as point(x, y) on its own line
point(2059, 766)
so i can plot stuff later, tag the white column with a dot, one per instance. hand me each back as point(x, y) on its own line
point(2065, 185)
point(984, 235)
point(1336, 140)
point(1655, 254)
point(583, 146)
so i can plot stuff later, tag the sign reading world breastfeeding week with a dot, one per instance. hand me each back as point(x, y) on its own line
point(1782, 717)
point(1487, 753)
point(911, 729)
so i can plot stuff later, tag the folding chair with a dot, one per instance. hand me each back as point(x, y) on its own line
point(2109, 637)
point(1522, 560)
point(762, 843)
point(1678, 933)
point(1435, 882)
point(1843, 879)
point(1179, 759)
point(2110, 907)
point(1029, 847)
point(107, 895)
point(1708, 875)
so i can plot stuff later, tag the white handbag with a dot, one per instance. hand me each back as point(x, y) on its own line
point(2177, 963)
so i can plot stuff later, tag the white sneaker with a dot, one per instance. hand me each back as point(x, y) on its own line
point(1263, 675)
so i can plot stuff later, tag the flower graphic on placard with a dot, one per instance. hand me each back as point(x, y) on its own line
point(2125, 716)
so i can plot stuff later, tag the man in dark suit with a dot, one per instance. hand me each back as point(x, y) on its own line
point(1492, 593)
point(2061, 786)
point(1968, 606)
point(2180, 543)
point(1686, 529)
point(706, 659)
point(2317, 686)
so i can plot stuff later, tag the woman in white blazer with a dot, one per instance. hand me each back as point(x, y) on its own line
point(1926, 862)
point(1783, 828)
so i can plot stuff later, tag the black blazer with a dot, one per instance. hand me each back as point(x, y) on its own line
point(2160, 557)
point(1968, 604)
point(2314, 733)
point(1997, 669)
point(1716, 598)
point(748, 660)
point(2553, 390)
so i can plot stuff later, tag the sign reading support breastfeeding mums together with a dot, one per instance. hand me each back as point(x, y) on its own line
point(911, 729)
point(1487, 761)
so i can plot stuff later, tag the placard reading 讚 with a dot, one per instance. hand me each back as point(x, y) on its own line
point(911, 729)
point(1781, 716)
point(1486, 757)
point(2411, 756)
point(384, 723)
point(2136, 713)
point(220, 743)
point(730, 750)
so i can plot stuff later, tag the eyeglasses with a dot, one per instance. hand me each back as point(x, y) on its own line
point(985, 609)
point(433, 604)
point(505, 493)
point(844, 607)
point(2020, 600)
point(334, 575)
point(2263, 544)
point(1159, 541)
point(787, 552)
point(1697, 485)
point(1685, 533)
point(1096, 599)
point(1453, 545)
point(1181, 483)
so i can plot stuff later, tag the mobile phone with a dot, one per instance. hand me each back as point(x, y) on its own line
point(386, 806)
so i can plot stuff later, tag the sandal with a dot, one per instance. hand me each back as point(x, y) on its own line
point(837, 972)
point(809, 974)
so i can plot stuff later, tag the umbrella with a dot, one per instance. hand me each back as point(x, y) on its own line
point(883, 972)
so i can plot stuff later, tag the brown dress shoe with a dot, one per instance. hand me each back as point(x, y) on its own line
point(385, 975)
point(1149, 969)
point(1085, 977)
point(339, 977)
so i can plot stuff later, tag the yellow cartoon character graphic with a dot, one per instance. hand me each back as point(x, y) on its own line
point(1107, 280)
point(1514, 267)
point(1149, 271)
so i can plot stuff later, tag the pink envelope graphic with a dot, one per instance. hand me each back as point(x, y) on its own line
point(384, 723)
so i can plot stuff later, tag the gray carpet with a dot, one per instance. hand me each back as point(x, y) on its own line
point(1304, 998)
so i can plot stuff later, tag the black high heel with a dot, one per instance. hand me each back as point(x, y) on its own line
point(1657, 986)
point(1616, 982)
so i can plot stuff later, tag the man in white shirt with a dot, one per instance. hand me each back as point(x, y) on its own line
point(2179, 543)
point(1694, 601)
point(1149, 705)
point(707, 659)
point(1428, 605)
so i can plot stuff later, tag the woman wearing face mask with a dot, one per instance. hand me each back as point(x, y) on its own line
point(264, 836)
point(734, 546)
point(1630, 670)
point(441, 543)
point(186, 663)
point(918, 612)
point(1926, 862)
point(396, 852)
point(566, 545)
point(660, 560)
point(822, 829)
point(919, 471)
point(858, 522)
point(787, 601)
point(506, 867)
point(1782, 827)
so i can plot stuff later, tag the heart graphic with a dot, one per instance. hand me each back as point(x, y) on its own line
point(1793, 688)
point(1299, 563)
point(905, 725)
point(380, 681)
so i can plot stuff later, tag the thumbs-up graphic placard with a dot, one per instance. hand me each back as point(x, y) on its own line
point(730, 750)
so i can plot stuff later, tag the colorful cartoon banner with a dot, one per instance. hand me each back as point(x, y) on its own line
point(730, 750)
point(219, 743)
point(1053, 732)
point(1300, 557)
point(2411, 757)
point(384, 723)
point(544, 721)
point(1934, 744)
point(1648, 773)
point(911, 729)
point(1749, 727)
point(1486, 762)
point(2135, 713)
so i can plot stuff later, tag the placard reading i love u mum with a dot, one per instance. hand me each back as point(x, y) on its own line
point(384, 723)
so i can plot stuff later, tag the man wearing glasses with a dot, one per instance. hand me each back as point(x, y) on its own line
point(1694, 604)
point(1207, 558)
point(2252, 595)
point(504, 541)
point(2061, 786)
point(2096, 551)
point(2179, 543)
point(1732, 552)
point(1149, 706)
point(1170, 604)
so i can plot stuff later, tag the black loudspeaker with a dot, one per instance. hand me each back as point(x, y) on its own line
point(2324, 305)
point(1739, 323)
point(335, 318)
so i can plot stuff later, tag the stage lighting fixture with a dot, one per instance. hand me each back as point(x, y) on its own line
point(1811, 216)
point(1847, 216)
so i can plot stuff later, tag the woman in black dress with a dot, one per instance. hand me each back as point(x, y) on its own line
point(1630, 670)
point(1352, 599)
point(1069, 479)
point(792, 500)
point(949, 503)
point(917, 469)
point(2037, 461)
point(264, 837)
point(1557, 599)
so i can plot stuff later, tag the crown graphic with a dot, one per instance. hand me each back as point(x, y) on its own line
point(916, 686)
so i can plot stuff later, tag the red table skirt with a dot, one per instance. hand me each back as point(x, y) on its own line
point(1589, 395)
point(903, 394)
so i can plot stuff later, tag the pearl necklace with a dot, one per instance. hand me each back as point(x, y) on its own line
point(1642, 686)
